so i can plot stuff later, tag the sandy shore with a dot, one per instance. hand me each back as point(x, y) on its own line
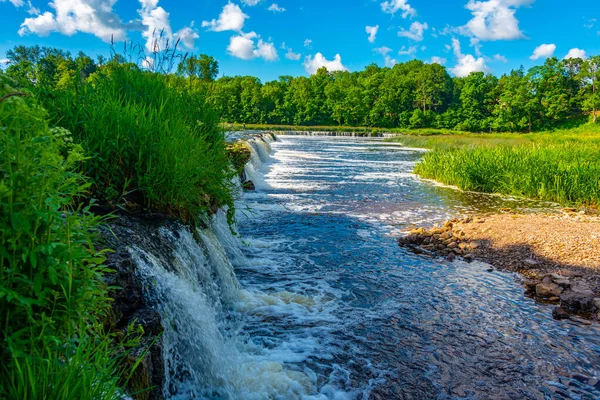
point(558, 254)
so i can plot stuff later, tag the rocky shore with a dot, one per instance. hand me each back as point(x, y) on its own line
point(557, 254)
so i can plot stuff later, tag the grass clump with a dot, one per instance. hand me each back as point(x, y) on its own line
point(150, 141)
point(52, 296)
point(559, 166)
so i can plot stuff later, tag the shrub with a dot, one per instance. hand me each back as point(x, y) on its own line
point(150, 141)
point(52, 295)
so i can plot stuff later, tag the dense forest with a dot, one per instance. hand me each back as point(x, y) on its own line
point(408, 95)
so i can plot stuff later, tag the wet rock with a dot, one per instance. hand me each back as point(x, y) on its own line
point(570, 274)
point(560, 313)
point(248, 185)
point(530, 263)
point(547, 279)
point(547, 289)
point(579, 298)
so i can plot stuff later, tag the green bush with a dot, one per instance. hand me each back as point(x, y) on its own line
point(567, 173)
point(52, 295)
point(150, 141)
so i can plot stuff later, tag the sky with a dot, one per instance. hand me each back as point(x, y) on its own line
point(270, 38)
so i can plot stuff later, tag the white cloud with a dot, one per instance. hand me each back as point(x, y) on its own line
point(495, 19)
point(157, 28)
point(312, 64)
point(438, 60)
point(500, 57)
point(187, 36)
point(251, 2)
point(466, 63)
point(4, 61)
point(543, 51)
point(16, 3)
point(408, 51)
point(308, 43)
point(384, 51)
point(393, 6)
point(243, 46)
point(71, 16)
point(275, 8)
point(372, 32)
point(232, 18)
point(415, 32)
point(576, 53)
point(290, 55)
point(97, 17)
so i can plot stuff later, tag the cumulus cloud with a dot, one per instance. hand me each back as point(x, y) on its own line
point(384, 51)
point(275, 8)
point(500, 57)
point(372, 32)
point(290, 55)
point(438, 60)
point(71, 16)
point(408, 51)
point(250, 2)
point(232, 18)
point(415, 32)
point(495, 19)
point(97, 17)
point(466, 63)
point(313, 63)
point(245, 47)
point(308, 43)
point(157, 28)
point(393, 6)
point(576, 53)
point(543, 51)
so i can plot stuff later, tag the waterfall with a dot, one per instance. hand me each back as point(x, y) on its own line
point(260, 148)
point(201, 302)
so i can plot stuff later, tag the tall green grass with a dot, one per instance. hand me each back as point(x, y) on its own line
point(566, 172)
point(52, 295)
point(150, 142)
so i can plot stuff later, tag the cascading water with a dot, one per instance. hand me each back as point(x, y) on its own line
point(202, 305)
point(314, 300)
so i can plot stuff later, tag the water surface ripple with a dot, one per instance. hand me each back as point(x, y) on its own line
point(363, 318)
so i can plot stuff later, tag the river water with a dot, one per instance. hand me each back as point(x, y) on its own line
point(332, 308)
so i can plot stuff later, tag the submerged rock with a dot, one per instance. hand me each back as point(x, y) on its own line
point(547, 289)
point(248, 185)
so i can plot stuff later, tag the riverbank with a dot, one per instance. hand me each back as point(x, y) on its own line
point(559, 166)
point(558, 254)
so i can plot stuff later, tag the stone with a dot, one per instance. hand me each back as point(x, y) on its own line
point(530, 262)
point(452, 245)
point(463, 246)
point(560, 313)
point(547, 279)
point(248, 185)
point(562, 282)
point(474, 245)
point(554, 298)
point(579, 298)
point(531, 283)
point(596, 301)
point(547, 289)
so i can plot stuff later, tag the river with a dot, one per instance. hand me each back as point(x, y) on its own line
point(325, 305)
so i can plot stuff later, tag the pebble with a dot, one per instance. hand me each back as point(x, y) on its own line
point(560, 313)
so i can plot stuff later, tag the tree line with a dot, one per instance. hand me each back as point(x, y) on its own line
point(408, 95)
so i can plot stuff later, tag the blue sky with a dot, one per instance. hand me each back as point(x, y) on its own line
point(269, 38)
